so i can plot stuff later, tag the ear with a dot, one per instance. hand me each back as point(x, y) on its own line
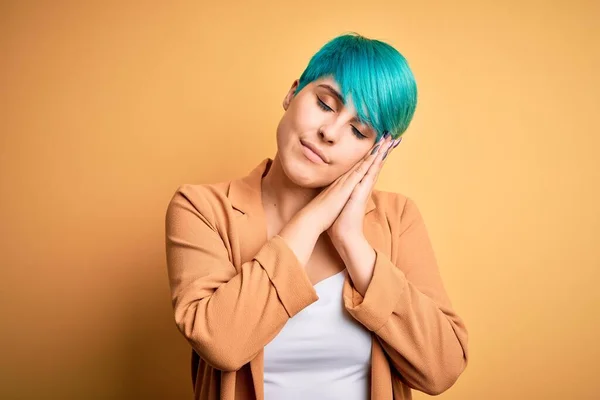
point(290, 95)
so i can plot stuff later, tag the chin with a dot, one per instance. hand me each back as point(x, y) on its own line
point(302, 173)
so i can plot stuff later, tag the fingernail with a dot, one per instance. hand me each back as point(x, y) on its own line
point(386, 154)
point(397, 142)
point(374, 150)
point(386, 135)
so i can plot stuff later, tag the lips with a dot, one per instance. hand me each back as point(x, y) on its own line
point(315, 150)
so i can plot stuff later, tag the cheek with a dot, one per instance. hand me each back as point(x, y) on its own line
point(299, 119)
point(303, 115)
point(351, 157)
point(284, 131)
point(358, 152)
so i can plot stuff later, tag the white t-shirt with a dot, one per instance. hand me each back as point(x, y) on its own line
point(321, 353)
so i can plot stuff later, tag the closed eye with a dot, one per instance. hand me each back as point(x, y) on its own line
point(326, 108)
point(323, 106)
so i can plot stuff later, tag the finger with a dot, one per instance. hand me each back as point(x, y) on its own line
point(363, 189)
point(385, 152)
point(371, 175)
point(376, 153)
point(379, 155)
point(360, 171)
point(392, 147)
point(361, 166)
point(371, 154)
point(344, 177)
point(398, 141)
point(376, 147)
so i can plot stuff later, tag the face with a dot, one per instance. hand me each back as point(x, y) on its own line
point(316, 118)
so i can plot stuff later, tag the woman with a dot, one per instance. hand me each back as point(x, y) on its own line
point(299, 281)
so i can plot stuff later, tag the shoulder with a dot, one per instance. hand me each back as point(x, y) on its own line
point(205, 200)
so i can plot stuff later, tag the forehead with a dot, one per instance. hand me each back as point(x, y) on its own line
point(328, 80)
point(329, 84)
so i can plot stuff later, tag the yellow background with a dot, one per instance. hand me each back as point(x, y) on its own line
point(107, 107)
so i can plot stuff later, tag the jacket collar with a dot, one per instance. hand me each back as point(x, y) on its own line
point(245, 194)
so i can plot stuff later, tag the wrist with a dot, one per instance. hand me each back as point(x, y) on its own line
point(301, 237)
point(302, 225)
point(359, 257)
point(346, 242)
point(310, 222)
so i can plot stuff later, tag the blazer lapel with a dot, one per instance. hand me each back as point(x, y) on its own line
point(246, 197)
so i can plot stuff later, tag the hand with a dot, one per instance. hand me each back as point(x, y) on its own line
point(303, 230)
point(327, 205)
point(349, 223)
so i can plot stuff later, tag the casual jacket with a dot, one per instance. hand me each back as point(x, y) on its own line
point(233, 289)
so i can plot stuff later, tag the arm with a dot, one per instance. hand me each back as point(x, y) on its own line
point(406, 306)
point(227, 315)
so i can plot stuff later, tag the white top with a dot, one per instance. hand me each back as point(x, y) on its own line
point(321, 353)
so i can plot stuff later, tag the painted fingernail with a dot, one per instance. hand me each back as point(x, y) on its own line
point(386, 135)
point(375, 150)
point(386, 154)
point(397, 142)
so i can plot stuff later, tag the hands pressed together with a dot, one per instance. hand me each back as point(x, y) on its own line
point(339, 208)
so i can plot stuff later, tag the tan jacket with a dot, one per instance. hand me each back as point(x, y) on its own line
point(233, 291)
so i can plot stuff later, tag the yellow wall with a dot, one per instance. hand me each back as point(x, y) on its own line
point(106, 109)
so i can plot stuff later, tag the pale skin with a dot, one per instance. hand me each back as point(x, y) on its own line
point(304, 199)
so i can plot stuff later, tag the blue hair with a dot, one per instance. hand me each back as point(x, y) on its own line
point(376, 75)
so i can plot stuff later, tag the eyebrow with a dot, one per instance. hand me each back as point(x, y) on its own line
point(341, 98)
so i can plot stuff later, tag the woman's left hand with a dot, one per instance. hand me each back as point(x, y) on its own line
point(349, 223)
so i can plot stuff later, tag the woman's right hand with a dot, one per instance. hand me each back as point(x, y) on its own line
point(327, 205)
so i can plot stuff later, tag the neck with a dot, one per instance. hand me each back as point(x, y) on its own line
point(282, 195)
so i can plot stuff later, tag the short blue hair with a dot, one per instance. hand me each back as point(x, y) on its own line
point(383, 88)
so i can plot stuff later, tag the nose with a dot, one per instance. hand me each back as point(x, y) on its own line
point(329, 133)
point(332, 128)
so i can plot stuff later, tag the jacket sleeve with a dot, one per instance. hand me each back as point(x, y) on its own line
point(228, 315)
point(407, 308)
